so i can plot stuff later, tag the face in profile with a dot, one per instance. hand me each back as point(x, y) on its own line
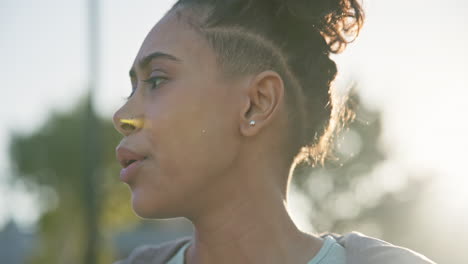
point(190, 137)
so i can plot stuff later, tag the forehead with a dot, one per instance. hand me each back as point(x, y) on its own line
point(173, 36)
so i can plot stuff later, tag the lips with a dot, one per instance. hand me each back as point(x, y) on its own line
point(131, 163)
point(126, 157)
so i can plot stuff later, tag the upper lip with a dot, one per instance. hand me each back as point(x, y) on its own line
point(126, 156)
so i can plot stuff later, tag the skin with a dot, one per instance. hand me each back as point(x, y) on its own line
point(204, 161)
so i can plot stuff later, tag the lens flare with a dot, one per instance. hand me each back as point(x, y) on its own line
point(138, 123)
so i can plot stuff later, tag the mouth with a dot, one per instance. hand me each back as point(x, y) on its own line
point(126, 157)
point(129, 162)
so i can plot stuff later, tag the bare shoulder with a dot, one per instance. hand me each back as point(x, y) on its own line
point(154, 254)
point(364, 249)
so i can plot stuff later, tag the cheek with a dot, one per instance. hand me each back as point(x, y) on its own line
point(196, 136)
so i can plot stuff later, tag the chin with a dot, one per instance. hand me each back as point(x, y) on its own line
point(152, 208)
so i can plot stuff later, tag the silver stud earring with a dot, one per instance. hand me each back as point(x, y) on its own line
point(252, 123)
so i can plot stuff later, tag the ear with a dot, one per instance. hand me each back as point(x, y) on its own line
point(263, 97)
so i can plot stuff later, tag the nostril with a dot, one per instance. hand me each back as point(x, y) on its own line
point(126, 126)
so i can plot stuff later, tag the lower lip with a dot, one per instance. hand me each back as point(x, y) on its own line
point(126, 174)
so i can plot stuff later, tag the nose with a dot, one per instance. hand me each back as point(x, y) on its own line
point(122, 125)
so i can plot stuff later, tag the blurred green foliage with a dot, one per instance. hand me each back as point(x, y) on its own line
point(54, 156)
point(355, 191)
point(331, 189)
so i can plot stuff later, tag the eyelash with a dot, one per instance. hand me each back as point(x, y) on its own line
point(151, 80)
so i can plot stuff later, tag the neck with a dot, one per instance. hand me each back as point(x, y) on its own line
point(249, 225)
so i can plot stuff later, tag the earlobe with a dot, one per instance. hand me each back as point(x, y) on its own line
point(249, 128)
point(246, 123)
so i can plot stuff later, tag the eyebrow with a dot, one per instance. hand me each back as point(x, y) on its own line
point(155, 55)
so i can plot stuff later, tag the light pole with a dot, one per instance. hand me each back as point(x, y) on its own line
point(92, 134)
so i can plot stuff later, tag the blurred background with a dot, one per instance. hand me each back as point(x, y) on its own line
point(64, 66)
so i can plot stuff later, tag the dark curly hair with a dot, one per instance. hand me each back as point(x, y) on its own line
point(294, 38)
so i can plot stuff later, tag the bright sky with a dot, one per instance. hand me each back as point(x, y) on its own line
point(410, 60)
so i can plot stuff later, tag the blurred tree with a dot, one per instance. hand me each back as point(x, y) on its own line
point(358, 189)
point(333, 190)
point(54, 156)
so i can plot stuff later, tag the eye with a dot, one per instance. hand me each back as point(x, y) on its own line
point(155, 81)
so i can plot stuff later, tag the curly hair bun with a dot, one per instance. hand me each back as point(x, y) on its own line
point(339, 21)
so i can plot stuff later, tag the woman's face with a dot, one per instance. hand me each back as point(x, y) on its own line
point(190, 137)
